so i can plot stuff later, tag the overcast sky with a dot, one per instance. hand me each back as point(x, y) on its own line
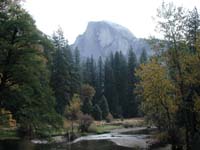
point(73, 15)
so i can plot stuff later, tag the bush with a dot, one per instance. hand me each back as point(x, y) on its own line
point(127, 125)
point(93, 129)
point(84, 122)
point(109, 118)
point(6, 118)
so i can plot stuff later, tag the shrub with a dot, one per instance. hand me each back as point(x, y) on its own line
point(85, 121)
point(109, 118)
point(6, 118)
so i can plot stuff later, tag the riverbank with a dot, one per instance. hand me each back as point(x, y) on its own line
point(97, 127)
point(126, 134)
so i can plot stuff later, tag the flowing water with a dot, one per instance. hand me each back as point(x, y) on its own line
point(125, 139)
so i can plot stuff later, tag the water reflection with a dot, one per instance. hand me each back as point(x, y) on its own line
point(83, 145)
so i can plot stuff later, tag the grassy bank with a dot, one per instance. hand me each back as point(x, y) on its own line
point(99, 127)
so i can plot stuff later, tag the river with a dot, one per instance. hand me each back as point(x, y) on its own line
point(122, 139)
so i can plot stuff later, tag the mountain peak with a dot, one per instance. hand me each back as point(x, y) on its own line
point(110, 24)
point(102, 37)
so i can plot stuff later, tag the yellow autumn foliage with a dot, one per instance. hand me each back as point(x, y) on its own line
point(74, 108)
point(6, 118)
point(157, 91)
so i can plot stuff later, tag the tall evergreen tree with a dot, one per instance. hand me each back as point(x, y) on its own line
point(131, 104)
point(90, 72)
point(60, 73)
point(77, 69)
point(85, 73)
point(116, 83)
point(100, 79)
point(73, 79)
point(109, 82)
point(87, 106)
point(97, 112)
point(123, 82)
point(143, 57)
point(93, 72)
point(104, 107)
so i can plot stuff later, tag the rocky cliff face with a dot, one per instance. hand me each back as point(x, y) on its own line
point(101, 38)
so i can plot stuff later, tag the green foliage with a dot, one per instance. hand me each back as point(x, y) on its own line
point(143, 57)
point(104, 107)
point(65, 78)
point(109, 84)
point(24, 77)
point(97, 112)
point(116, 83)
point(74, 108)
point(60, 72)
point(131, 104)
point(105, 128)
point(8, 134)
point(77, 72)
point(87, 107)
point(89, 72)
point(100, 79)
point(114, 79)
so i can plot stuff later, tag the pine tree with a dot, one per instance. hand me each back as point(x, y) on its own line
point(89, 72)
point(123, 82)
point(143, 57)
point(93, 72)
point(109, 82)
point(104, 107)
point(117, 85)
point(131, 104)
point(97, 112)
point(100, 79)
point(87, 106)
point(60, 79)
point(77, 69)
point(85, 73)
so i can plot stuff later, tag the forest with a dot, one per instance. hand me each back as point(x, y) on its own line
point(43, 81)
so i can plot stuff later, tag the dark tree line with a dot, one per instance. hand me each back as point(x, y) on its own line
point(114, 81)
